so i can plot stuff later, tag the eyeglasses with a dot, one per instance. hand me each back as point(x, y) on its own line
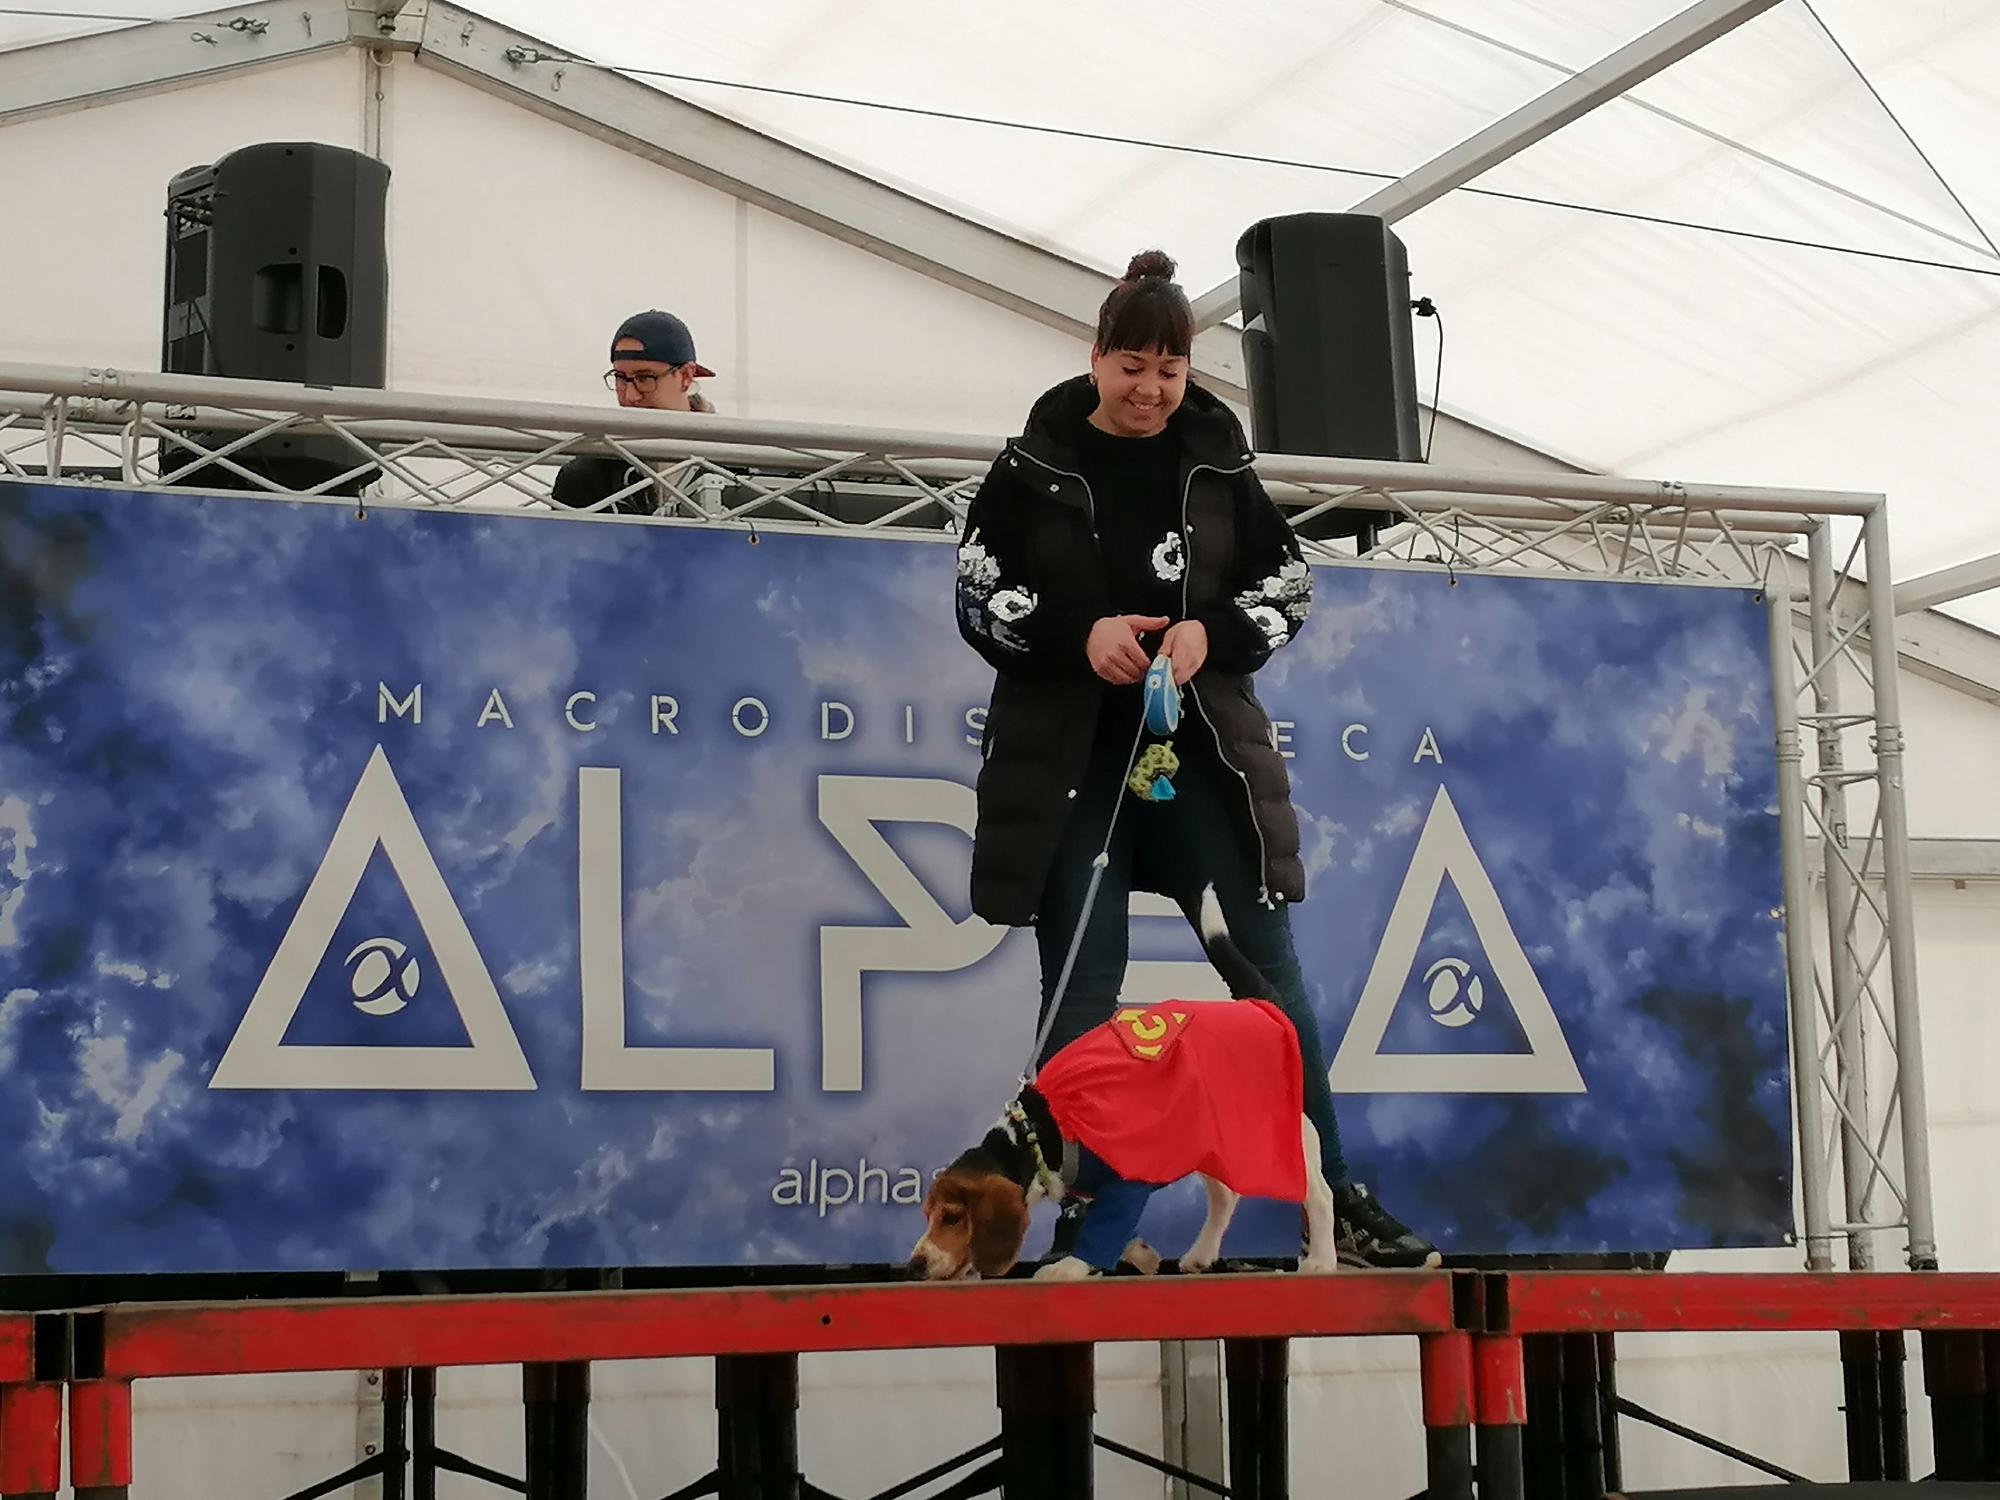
point(641, 381)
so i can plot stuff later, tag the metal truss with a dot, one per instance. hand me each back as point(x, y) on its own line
point(1858, 989)
point(158, 429)
point(1857, 1061)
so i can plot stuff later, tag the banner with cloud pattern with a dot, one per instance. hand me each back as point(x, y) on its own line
point(440, 890)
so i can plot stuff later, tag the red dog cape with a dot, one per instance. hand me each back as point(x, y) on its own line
point(1160, 1091)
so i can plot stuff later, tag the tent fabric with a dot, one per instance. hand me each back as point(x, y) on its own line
point(1616, 343)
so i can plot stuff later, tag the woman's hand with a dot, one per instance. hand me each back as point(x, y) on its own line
point(1187, 645)
point(1114, 650)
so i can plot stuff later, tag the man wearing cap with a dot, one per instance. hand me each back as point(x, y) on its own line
point(653, 364)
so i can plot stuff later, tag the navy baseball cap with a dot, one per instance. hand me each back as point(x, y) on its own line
point(662, 337)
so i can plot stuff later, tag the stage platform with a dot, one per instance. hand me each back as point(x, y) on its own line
point(1517, 1369)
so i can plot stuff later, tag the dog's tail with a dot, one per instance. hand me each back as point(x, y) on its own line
point(1245, 979)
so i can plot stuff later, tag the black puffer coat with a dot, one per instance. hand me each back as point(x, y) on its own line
point(1030, 586)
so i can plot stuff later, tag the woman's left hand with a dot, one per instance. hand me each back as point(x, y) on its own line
point(1186, 644)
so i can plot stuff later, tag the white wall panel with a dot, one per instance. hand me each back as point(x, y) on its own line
point(84, 194)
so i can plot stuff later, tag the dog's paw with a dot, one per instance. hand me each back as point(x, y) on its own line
point(1199, 1258)
point(1069, 1268)
point(1142, 1258)
point(1319, 1265)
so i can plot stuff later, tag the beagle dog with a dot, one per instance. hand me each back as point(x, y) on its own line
point(1209, 1088)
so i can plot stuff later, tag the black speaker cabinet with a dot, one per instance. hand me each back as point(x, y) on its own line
point(1328, 346)
point(277, 268)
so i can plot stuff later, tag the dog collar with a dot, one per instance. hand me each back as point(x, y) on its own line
point(1050, 1180)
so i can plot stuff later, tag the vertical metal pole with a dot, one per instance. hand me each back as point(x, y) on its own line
point(537, 1402)
point(556, 1398)
point(1607, 1398)
point(1501, 1407)
point(1259, 1418)
point(1448, 1392)
point(395, 1429)
point(1191, 1412)
point(100, 1439)
point(1542, 1443)
point(423, 1434)
point(1048, 1403)
point(1798, 934)
point(1894, 1360)
point(757, 1427)
point(1583, 1416)
point(1955, 1379)
point(1898, 895)
point(369, 1414)
point(375, 100)
point(31, 1440)
point(1861, 1379)
point(1991, 1427)
point(1844, 985)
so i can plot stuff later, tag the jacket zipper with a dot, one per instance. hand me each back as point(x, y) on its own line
point(1089, 500)
point(1089, 511)
point(1187, 490)
point(1249, 797)
point(1089, 504)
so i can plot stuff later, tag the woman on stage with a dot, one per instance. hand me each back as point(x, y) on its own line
point(1126, 523)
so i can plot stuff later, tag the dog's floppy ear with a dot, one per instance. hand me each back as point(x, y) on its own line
point(999, 1227)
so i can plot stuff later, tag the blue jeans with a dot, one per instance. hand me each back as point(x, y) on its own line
point(1116, 1207)
point(1177, 847)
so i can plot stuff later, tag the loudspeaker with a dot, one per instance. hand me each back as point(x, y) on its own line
point(1328, 345)
point(277, 268)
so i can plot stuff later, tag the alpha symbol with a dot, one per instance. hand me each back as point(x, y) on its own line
point(1362, 1067)
point(1454, 993)
point(383, 974)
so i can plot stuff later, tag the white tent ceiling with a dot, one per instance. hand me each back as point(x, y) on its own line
point(1625, 345)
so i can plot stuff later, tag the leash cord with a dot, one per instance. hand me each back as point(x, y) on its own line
point(1097, 868)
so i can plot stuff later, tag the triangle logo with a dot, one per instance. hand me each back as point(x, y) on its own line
point(377, 816)
point(1361, 1066)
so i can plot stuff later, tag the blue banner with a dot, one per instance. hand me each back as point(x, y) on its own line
point(462, 890)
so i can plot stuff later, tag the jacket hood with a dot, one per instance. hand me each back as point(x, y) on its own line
point(1207, 428)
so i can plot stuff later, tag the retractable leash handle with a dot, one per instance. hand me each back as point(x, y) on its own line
point(1162, 696)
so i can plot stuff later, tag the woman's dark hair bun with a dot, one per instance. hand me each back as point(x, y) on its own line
point(1147, 310)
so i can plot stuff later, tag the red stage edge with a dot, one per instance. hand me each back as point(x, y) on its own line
point(1489, 1342)
point(141, 1342)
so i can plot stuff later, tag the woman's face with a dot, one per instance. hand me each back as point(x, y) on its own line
point(1137, 389)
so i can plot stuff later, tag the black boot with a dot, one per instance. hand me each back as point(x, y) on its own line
point(1069, 1224)
point(1369, 1235)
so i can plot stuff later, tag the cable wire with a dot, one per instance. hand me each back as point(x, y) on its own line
point(1720, 138)
point(1896, 120)
point(85, 15)
point(1423, 307)
point(1251, 158)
